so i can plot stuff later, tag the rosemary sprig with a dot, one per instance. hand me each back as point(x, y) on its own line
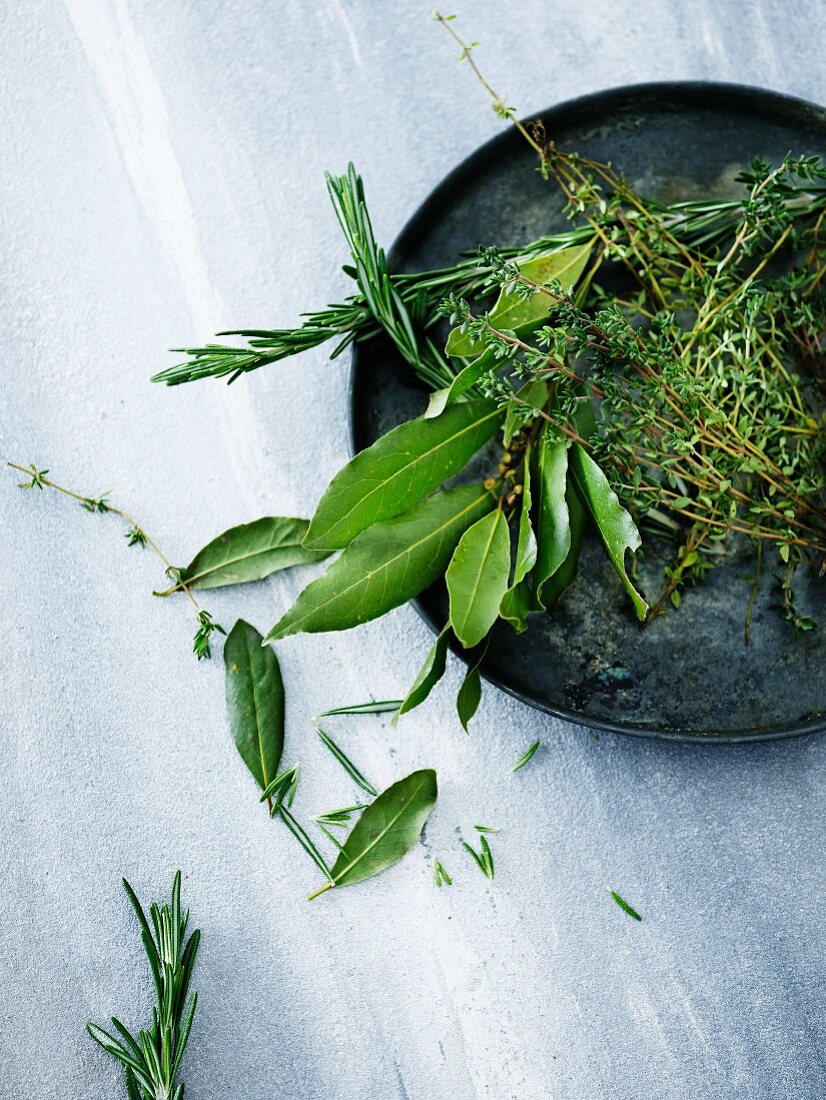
point(136, 535)
point(152, 1061)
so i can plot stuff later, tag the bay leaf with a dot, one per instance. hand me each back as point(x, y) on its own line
point(249, 552)
point(552, 590)
point(614, 523)
point(428, 676)
point(470, 693)
point(465, 380)
point(518, 600)
point(566, 265)
point(255, 701)
point(477, 577)
point(519, 314)
point(387, 830)
point(535, 395)
point(387, 564)
point(553, 528)
point(400, 468)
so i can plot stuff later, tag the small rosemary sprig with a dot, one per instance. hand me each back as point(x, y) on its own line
point(152, 1061)
point(136, 535)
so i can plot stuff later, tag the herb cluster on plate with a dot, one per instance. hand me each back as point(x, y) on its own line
point(652, 372)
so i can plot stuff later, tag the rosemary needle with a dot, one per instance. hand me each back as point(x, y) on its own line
point(623, 904)
point(383, 706)
point(526, 756)
point(346, 763)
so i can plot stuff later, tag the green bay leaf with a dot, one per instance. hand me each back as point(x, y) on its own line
point(387, 830)
point(387, 565)
point(566, 265)
point(400, 468)
point(519, 314)
point(465, 380)
point(255, 701)
point(470, 693)
point(428, 676)
point(250, 552)
point(551, 592)
point(477, 578)
point(614, 523)
point(518, 600)
point(553, 525)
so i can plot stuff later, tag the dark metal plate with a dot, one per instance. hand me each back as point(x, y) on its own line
point(689, 674)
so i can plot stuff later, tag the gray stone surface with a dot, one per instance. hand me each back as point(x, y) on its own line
point(161, 177)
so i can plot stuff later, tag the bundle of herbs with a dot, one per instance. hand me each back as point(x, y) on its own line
point(653, 370)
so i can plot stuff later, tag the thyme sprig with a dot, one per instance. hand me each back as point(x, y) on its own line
point(136, 535)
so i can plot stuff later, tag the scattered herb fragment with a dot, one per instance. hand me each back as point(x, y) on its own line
point(484, 858)
point(527, 755)
point(383, 706)
point(623, 904)
point(339, 817)
point(440, 875)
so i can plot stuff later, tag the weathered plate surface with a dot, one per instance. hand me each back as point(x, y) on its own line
point(689, 674)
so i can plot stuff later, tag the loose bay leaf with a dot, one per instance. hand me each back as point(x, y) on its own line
point(250, 552)
point(429, 675)
point(255, 701)
point(387, 829)
point(400, 468)
point(615, 525)
point(387, 565)
point(477, 578)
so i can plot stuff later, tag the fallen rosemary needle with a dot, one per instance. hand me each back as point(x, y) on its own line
point(526, 756)
point(383, 706)
point(623, 904)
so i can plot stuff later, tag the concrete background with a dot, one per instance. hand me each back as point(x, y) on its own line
point(161, 178)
